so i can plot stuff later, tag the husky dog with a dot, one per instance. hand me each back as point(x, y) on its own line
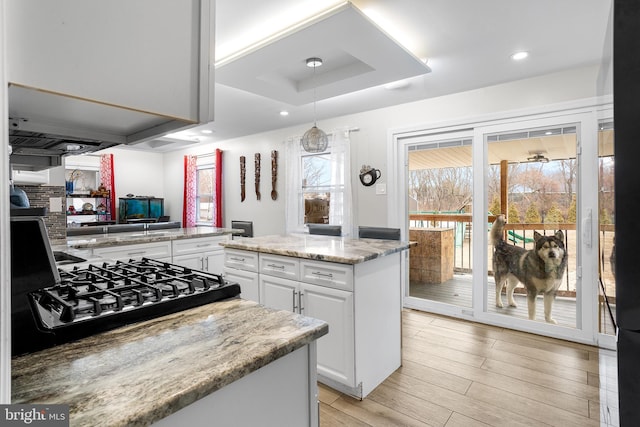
point(540, 269)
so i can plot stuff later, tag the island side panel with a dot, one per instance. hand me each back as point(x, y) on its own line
point(378, 308)
point(282, 393)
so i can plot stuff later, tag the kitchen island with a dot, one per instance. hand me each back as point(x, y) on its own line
point(193, 247)
point(355, 285)
point(232, 362)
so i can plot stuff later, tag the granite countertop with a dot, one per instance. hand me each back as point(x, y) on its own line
point(143, 236)
point(141, 373)
point(343, 250)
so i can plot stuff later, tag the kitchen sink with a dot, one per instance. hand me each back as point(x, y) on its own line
point(63, 258)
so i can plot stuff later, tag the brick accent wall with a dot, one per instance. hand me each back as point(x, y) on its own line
point(39, 196)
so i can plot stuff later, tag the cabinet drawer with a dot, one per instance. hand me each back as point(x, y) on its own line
point(198, 245)
point(158, 250)
point(333, 275)
point(242, 260)
point(280, 266)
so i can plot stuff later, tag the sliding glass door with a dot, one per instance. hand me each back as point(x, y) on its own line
point(536, 172)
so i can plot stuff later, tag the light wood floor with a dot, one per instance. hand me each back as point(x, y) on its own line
point(459, 373)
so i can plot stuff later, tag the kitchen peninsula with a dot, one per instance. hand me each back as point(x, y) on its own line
point(208, 363)
point(355, 285)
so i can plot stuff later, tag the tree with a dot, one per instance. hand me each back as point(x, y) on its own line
point(605, 218)
point(495, 206)
point(571, 213)
point(514, 215)
point(532, 216)
point(554, 215)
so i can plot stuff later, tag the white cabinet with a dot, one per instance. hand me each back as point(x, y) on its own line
point(242, 267)
point(283, 294)
point(336, 349)
point(160, 251)
point(128, 70)
point(204, 253)
point(307, 287)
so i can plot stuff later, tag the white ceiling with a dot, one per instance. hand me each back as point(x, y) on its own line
point(467, 43)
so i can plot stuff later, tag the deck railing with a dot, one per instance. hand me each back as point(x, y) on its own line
point(518, 234)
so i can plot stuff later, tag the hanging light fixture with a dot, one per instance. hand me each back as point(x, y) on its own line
point(314, 140)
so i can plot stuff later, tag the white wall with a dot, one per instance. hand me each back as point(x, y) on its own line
point(138, 173)
point(369, 145)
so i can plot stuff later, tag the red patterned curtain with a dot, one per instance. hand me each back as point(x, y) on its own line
point(190, 192)
point(217, 220)
point(107, 178)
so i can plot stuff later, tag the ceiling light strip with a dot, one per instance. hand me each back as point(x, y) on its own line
point(295, 27)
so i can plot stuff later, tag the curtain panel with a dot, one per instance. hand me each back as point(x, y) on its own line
point(107, 178)
point(217, 218)
point(190, 191)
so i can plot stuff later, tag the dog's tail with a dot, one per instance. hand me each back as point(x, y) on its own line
point(497, 230)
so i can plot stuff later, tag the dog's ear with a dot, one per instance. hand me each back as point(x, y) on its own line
point(560, 235)
point(536, 236)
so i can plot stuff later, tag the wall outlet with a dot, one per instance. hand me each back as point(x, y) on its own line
point(55, 204)
point(381, 188)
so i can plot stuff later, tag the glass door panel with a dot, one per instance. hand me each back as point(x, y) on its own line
point(607, 235)
point(532, 180)
point(439, 199)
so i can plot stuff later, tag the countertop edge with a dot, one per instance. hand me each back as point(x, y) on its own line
point(282, 334)
point(249, 244)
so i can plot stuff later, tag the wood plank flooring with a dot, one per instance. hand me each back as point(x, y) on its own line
point(460, 373)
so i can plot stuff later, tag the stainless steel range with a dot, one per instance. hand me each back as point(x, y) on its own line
point(52, 306)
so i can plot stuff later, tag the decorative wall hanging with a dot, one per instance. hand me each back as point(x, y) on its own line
point(274, 174)
point(243, 172)
point(369, 175)
point(257, 161)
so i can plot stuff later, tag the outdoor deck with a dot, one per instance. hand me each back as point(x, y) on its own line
point(457, 291)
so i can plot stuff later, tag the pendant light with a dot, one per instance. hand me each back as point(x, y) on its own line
point(314, 140)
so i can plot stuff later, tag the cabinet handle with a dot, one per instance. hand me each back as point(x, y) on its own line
point(136, 253)
point(205, 261)
point(300, 295)
point(295, 307)
point(279, 267)
point(324, 275)
point(203, 245)
point(236, 259)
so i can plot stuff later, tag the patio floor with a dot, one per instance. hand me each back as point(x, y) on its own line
point(457, 291)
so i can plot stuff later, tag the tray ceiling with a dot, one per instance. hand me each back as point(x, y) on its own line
point(356, 53)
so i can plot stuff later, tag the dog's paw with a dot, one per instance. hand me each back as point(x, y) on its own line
point(512, 303)
point(551, 320)
point(499, 303)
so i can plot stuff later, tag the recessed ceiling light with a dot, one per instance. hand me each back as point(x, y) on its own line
point(284, 113)
point(518, 56)
point(206, 131)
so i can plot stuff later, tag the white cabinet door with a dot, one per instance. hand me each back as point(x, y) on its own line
point(117, 53)
point(336, 349)
point(191, 261)
point(248, 281)
point(279, 293)
point(214, 261)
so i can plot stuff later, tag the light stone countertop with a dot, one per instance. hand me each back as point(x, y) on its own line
point(137, 237)
point(343, 250)
point(141, 373)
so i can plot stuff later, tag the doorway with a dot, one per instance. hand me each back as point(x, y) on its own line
point(536, 170)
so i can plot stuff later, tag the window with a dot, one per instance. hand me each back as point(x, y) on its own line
point(205, 193)
point(319, 185)
point(317, 188)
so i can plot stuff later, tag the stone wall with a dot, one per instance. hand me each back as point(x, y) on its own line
point(40, 197)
